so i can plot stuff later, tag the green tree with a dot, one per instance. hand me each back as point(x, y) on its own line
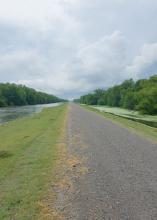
point(140, 95)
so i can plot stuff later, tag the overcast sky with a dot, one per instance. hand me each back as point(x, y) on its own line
point(70, 47)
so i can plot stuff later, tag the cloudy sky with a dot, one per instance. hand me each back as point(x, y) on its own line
point(70, 47)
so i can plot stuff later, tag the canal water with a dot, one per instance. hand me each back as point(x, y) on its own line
point(11, 113)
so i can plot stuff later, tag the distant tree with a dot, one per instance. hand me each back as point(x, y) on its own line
point(148, 101)
point(140, 95)
point(129, 100)
point(18, 95)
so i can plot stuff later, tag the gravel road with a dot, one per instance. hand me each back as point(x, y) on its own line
point(121, 182)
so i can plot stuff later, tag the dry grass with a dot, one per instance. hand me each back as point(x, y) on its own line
point(47, 205)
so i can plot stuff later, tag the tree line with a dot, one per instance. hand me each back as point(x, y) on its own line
point(138, 95)
point(19, 95)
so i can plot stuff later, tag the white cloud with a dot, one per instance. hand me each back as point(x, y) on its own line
point(69, 47)
point(43, 15)
point(98, 65)
point(101, 63)
point(145, 63)
point(20, 64)
point(90, 65)
point(100, 54)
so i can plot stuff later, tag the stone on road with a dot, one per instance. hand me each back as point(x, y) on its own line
point(121, 182)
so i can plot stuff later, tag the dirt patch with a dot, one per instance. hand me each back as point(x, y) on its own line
point(73, 170)
point(69, 169)
point(48, 213)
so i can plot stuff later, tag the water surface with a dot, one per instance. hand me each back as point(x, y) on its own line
point(11, 113)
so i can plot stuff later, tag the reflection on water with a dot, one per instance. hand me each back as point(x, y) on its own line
point(10, 113)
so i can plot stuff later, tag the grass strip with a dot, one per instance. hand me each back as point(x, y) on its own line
point(130, 115)
point(28, 154)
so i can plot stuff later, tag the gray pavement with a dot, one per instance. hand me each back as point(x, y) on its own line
point(121, 182)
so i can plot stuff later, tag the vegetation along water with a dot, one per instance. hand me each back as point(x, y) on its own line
point(28, 154)
point(19, 95)
point(140, 95)
point(11, 113)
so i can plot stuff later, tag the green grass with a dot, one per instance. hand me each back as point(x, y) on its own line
point(142, 129)
point(126, 113)
point(132, 115)
point(28, 154)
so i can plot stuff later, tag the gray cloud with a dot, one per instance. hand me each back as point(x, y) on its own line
point(69, 47)
point(145, 63)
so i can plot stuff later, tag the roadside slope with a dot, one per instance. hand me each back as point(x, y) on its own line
point(28, 155)
point(121, 182)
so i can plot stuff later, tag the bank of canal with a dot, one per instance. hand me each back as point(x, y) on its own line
point(29, 152)
point(11, 113)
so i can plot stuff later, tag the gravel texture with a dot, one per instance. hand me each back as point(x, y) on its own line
point(121, 182)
